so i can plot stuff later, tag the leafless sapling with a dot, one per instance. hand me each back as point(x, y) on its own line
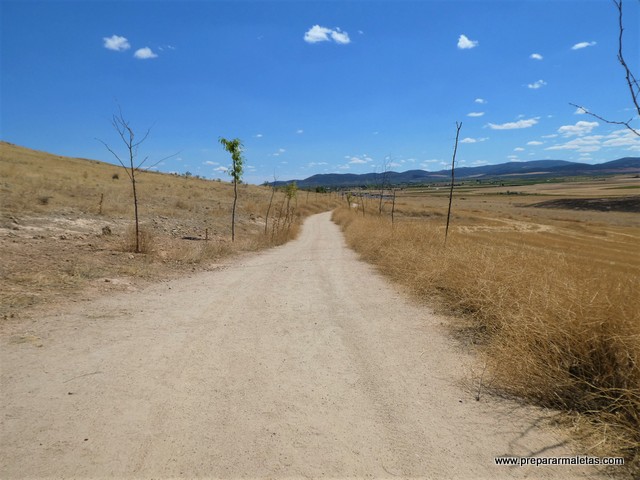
point(273, 192)
point(128, 137)
point(453, 166)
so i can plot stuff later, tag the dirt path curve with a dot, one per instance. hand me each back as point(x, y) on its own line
point(296, 362)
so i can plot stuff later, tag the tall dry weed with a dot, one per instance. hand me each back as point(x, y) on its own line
point(555, 329)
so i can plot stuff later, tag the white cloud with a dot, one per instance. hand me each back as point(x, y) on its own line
point(622, 138)
point(317, 34)
point(579, 129)
point(537, 84)
point(518, 149)
point(278, 153)
point(299, 131)
point(116, 43)
point(481, 101)
point(344, 167)
point(473, 140)
point(480, 162)
point(580, 111)
point(464, 43)
point(144, 53)
point(209, 162)
point(316, 164)
point(475, 114)
point(323, 34)
point(514, 125)
point(553, 135)
point(360, 160)
point(536, 56)
point(590, 143)
point(581, 45)
point(340, 37)
point(534, 143)
point(259, 135)
point(220, 169)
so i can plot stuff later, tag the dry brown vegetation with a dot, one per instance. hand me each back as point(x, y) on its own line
point(66, 226)
point(549, 296)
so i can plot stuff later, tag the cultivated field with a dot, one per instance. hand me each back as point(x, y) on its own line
point(549, 295)
point(66, 226)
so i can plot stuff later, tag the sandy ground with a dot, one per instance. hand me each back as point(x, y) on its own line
point(297, 362)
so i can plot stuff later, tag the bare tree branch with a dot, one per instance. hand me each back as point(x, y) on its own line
point(632, 83)
point(631, 79)
point(612, 122)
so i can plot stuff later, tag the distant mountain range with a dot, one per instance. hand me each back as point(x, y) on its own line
point(511, 170)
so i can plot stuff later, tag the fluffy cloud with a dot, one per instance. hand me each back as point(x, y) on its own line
point(582, 144)
point(518, 149)
point(475, 114)
point(514, 125)
point(116, 43)
point(464, 43)
point(481, 101)
point(581, 45)
point(534, 143)
point(622, 138)
point(579, 129)
point(536, 56)
point(340, 37)
point(144, 53)
point(536, 85)
point(473, 140)
point(593, 143)
point(323, 34)
point(360, 160)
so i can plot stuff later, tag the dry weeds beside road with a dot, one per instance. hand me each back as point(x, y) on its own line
point(296, 362)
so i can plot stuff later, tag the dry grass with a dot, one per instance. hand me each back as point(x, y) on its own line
point(552, 304)
point(56, 214)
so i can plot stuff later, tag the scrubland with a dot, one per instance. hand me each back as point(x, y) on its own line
point(66, 226)
point(548, 297)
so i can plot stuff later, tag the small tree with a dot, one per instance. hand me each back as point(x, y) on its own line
point(453, 165)
point(291, 192)
point(383, 183)
point(234, 147)
point(126, 134)
point(273, 192)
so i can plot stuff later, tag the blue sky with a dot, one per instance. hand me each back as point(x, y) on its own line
point(318, 87)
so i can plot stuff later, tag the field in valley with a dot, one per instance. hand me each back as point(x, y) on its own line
point(543, 285)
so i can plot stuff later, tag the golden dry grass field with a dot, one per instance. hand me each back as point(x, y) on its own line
point(66, 226)
point(548, 296)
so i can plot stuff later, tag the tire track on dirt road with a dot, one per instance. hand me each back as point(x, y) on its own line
point(299, 361)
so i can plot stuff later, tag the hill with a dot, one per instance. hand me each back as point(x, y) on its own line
point(511, 170)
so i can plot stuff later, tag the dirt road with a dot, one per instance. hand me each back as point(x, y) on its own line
point(296, 362)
